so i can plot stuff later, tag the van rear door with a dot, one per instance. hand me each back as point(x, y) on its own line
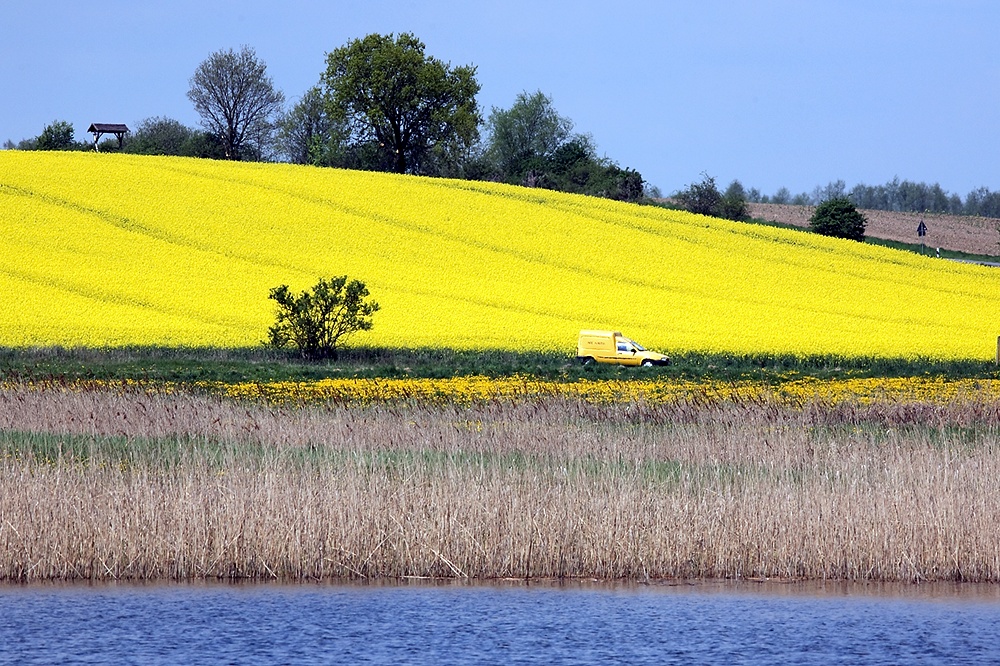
point(598, 345)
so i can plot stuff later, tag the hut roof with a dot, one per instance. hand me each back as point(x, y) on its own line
point(109, 128)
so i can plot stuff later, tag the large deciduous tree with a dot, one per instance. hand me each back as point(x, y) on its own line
point(236, 99)
point(524, 135)
point(415, 110)
point(531, 144)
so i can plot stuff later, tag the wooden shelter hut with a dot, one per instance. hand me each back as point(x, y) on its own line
point(100, 129)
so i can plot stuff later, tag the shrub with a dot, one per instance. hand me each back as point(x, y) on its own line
point(316, 322)
point(57, 136)
point(734, 203)
point(704, 198)
point(839, 217)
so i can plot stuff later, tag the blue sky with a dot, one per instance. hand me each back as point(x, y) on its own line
point(780, 93)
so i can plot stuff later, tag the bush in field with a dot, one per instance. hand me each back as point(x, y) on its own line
point(701, 198)
point(838, 217)
point(315, 322)
point(704, 198)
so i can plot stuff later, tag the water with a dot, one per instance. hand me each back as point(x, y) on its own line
point(459, 624)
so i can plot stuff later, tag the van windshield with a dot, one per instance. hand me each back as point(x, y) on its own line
point(635, 344)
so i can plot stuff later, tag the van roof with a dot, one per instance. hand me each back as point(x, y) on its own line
point(600, 333)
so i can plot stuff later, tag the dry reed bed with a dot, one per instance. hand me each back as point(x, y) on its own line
point(104, 484)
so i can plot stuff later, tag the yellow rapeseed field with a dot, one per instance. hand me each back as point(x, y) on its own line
point(103, 250)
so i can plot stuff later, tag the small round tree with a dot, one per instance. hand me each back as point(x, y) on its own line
point(839, 217)
point(316, 322)
point(57, 136)
point(701, 198)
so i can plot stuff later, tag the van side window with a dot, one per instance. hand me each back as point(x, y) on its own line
point(623, 347)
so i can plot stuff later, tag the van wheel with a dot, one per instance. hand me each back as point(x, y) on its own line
point(587, 361)
point(647, 363)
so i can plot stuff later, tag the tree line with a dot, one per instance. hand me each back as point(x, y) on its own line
point(381, 103)
point(896, 195)
point(900, 196)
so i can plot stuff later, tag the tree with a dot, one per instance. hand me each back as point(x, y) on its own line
point(158, 136)
point(734, 203)
point(782, 196)
point(627, 184)
point(415, 109)
point(838, 217)
point(833, 190)
point(702, 198)
point(569, 168)
point(205, 145)
point(306, 134)
point(530, 144)
point(981, 201)
point(57, 136)
point(315, 322)
point(166, 136)
point(529, 132)
point(235, 99)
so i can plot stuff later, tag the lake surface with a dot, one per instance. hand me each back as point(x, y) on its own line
point(706, 623)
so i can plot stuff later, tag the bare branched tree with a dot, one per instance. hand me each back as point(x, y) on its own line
point(235, 98)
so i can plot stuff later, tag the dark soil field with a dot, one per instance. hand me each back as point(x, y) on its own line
point(973, 235)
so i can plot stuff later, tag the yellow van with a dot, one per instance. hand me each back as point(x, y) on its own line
point(613, 347)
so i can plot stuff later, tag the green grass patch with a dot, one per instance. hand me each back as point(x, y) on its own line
point(107, 451)
point(189, 365)
point(117, 454)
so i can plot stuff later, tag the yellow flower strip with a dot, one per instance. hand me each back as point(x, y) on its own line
point(477, 389)
point(463, 390)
